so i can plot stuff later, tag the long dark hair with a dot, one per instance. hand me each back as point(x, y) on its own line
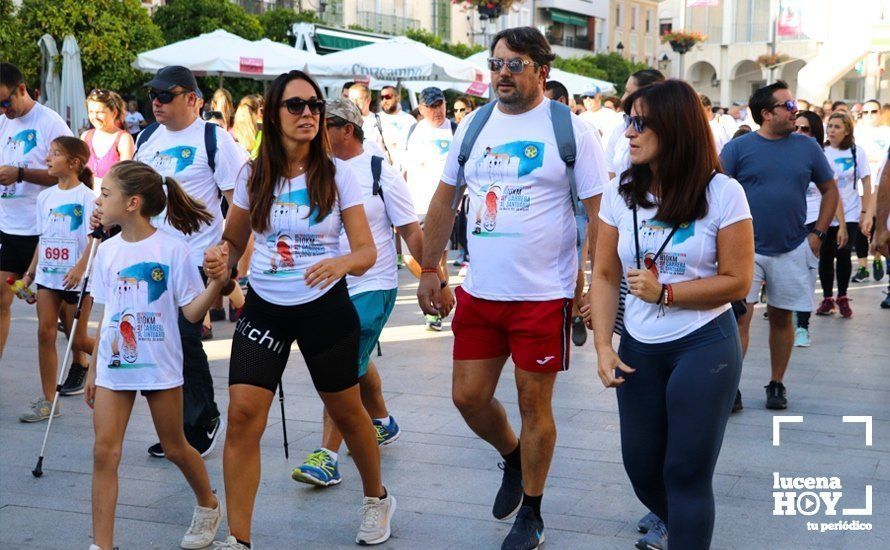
point(139, 179)
point(817, 131)
point(687, 154)
point(269, 166)
point(76, 149)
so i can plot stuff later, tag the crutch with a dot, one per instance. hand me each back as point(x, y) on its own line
point(283, 425)
point(97, 235)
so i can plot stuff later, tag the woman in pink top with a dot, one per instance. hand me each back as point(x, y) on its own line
point(108, 140)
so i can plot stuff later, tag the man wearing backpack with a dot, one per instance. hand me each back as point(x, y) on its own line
point(524, 160)
point(205, 161)
point(426, 147)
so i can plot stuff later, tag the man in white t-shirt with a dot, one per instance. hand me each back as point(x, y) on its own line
point(603, 119)
point(874, 138)
point(26, 130)
point(360, 94)
point(721, 127)
point(618, 146)
point(394, 122)
point(177, 148)
point(517, 297)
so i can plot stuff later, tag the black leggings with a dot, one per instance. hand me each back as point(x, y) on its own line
point(827, 256)
point(673, 411)
point(326, 329)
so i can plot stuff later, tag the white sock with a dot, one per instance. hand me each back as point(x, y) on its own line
point(331, 453)
point(383, 421)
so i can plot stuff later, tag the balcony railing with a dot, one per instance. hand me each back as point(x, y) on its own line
point(389, 24)
point(579, 42)
point(261, 6)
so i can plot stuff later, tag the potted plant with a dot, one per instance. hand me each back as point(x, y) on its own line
point(772, 60)
point(682, 41)
point(488, 9)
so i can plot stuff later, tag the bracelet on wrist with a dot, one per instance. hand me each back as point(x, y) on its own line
point(661, 295)
point(669, 295)
point(21, 174)
point(425, 270)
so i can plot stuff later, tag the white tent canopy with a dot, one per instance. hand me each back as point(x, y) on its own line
point(389, 62)
point(72, 106)
point(226, 54)
point(576, 84)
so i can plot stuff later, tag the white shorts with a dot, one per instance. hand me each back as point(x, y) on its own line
point(790, 278)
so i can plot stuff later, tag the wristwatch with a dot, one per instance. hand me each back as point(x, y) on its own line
point(820, 234)
point(443, 284)
point(21, 175)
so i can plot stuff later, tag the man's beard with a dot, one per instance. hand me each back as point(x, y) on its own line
point(392, 110)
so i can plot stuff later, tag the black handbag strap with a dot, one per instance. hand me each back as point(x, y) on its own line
point(637, 240)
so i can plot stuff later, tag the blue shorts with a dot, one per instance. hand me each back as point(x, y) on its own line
point(374, 308)
point(581, 237)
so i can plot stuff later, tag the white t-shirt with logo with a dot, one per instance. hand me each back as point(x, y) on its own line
point(63, 222)
point(424, 160)
point(521, 228)
point(618, 152)
point(133, 121)
point(394, 208)
point(182, 155)
point(295, 240)
point(691, 255)
point(842, 163)
point(142, 284)
point(24, 143)
point(875, 140)
point(605, 120)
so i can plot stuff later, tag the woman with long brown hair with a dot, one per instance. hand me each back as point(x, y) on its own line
point(682, 233)
point(296, 199)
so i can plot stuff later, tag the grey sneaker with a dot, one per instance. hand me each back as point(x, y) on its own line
point(376, 516)
point(655, 539)
point(38, 411)
point(205, 523)
point(231, 543)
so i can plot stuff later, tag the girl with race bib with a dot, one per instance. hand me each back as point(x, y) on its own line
point(143, 277)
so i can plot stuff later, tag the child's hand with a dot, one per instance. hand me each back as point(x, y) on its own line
point(73, 277)
point(216, 262)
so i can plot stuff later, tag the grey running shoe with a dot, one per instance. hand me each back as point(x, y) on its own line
point(202, 531)
point(38, 411)
point(376, 518)
point(655, 539)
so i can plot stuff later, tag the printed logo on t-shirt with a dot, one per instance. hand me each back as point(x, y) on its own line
point(286, 244)
point(844, 164)
point(501, 168)
point(14, 151)
point(58, 246)
point(173, 160)
point(136, 288)
point(652, 235)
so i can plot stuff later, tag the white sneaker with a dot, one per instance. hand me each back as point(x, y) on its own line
point(231, 543)
point(376, 515)
point(202, 531)
point(94, 547)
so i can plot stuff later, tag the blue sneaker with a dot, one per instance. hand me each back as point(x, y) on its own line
point(647, 522)
point(527, 532)
point(801, 338)
point(318, 469)
point(387, 434)
point(655, 539)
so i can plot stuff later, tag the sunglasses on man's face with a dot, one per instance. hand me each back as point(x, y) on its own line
point(638, 123)
point(7, 103)
point(870, 112)
point(789, 105)
point(296, 105)
point(515, 65)
point(802, 129)
point(386, 96)
point(164, 96)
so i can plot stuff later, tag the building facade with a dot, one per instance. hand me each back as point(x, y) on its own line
point(633, 29)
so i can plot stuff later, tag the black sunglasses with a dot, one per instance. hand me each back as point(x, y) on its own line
point(209, 115)
point(297, 105)
point(459, 109)
point(638, 122)
point(386, 96)
point(7, 103)
point(164, 96)
point(803, 129)
point(515, 65)
point(789, 105)
point(870, 112)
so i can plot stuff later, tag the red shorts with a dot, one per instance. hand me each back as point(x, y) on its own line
point(534, 334)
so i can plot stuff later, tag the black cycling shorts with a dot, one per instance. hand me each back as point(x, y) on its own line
point(16, 252)
point(326, 330)
point(68, 296)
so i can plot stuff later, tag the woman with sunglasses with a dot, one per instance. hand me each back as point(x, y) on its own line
point(808, 123)
point(109, 142)
point(463, 106)
point(682, 233)
point(295, 199)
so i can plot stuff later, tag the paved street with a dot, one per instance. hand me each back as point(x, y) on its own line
point(445, 478)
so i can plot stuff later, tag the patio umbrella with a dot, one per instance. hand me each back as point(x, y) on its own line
point(50, 84)
point(72, 102)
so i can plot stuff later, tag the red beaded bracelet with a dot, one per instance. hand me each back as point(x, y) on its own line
point(429, 270)
point(669, 301)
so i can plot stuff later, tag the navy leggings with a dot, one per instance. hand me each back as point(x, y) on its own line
point(673, 413)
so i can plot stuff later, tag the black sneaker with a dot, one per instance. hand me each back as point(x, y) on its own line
point(860, 276)
point(509, 497)
point(579, 331)
point(776, 396)
point(156, 450)
point(737, 404)
point(203, 439)
point(73, 385)
point(885, 304)
point(527, 532)
point(877, 267)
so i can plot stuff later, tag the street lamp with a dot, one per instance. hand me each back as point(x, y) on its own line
point(620, 49)
point(664, 64)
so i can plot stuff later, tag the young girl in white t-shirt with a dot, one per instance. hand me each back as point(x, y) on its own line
point(144, 278)
point(58, 265)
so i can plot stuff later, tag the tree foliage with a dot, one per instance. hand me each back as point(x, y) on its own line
point(181, 19)
point(277, 23)
point(458, 50)
point(604, 66)
point(109, 32)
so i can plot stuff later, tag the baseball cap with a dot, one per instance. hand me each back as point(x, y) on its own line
point(175, 75)
point(345, 109)
point(430, 95)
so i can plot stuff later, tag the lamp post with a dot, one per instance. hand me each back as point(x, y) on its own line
point(664, 64)
point(620, 49)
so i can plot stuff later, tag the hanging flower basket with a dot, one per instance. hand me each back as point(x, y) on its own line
point(772, 60)
point(682, 41)
point(488, 9)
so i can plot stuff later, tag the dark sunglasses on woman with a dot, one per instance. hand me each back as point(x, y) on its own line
point(802, 129)
point(210, 115)
point(638, 122)
point(297, 105)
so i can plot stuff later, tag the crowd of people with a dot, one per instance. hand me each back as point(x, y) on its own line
point(301, 210)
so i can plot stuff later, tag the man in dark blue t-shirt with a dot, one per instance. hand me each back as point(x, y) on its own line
point(775, 166)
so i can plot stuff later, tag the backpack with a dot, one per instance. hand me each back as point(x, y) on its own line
point(413, 126)
point(560, 115)
point(376, 170)
point(209, 141)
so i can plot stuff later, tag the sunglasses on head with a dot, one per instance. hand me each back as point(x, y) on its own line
point(210, 115)
point(515, 65)
point(789, 105)
point(803, 129)
point(638, 123)
point(297, 105)
point(164, 96)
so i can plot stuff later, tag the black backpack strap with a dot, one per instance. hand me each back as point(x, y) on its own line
point(453, 127)
point(210, 145)
point(855, 165)
point(376, 170)
point(410, 131)
point(561, 117)
point(145, 134)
